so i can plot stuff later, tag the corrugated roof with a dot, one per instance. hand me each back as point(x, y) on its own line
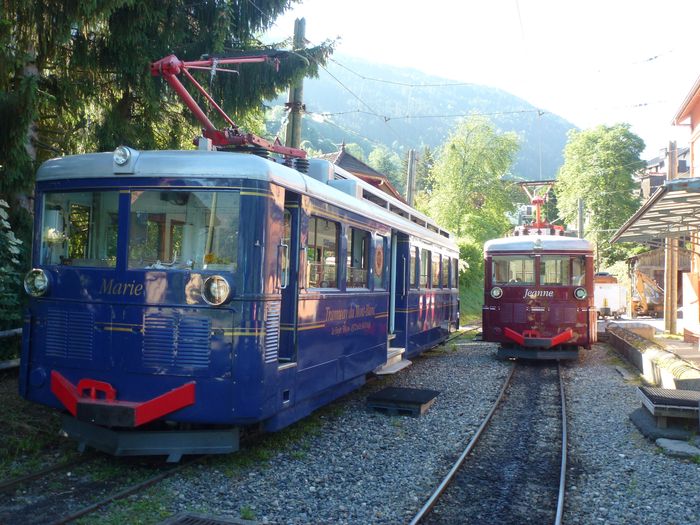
point(672, 211)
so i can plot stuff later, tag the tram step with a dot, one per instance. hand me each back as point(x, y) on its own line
point(392, 368)
point(402, 401)
point(394, 355)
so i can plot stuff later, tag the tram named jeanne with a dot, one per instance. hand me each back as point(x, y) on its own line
point(538, 294)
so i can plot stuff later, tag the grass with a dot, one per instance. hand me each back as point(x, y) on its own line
point(471, 300)
point(10, 348)
point(151, 507)
point(29, 433)
point(247, 513)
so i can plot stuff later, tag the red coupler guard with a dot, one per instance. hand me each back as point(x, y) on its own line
point(84, 402)
point(531, 338)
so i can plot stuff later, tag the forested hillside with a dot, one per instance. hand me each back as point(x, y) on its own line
point(408, 109)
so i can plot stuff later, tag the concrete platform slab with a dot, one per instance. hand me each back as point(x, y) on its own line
point(681, 449)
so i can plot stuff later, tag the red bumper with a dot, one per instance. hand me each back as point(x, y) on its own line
point(86, 404)
point(531, 338)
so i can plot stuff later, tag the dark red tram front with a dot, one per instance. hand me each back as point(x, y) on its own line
point(538, 296)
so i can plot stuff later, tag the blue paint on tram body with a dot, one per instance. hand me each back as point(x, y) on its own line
point(318, 284)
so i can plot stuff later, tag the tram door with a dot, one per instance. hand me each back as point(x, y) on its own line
point(398, 298)
point(289, 276)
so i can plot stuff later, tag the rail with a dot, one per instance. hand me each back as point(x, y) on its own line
point(425, 510)
point(454, 472)
point(564, 448)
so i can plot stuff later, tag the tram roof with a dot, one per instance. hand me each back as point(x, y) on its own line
point(193, 164)
point(537, 243)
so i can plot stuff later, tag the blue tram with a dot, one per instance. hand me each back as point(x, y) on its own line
point(194, 293)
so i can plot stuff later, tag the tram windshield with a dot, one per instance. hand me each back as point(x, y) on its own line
point(554, 270)
point(184, 229)
point(80, 228)
point(518, 269)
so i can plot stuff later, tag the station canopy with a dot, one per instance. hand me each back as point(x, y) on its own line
point(673, 211)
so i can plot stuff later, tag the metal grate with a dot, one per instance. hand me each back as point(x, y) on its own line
point(197, 519)
point(272, 331)
point(159, 340)
point(671, 397)
point(193, 337)
point(182, 341)
point(69, 334)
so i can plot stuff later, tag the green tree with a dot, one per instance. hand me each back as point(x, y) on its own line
point(75, 77)
point(389, 163)
point(10, 249)
point(598, 167)
point(468, 194)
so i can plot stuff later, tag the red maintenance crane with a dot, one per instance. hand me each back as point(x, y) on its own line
point(171, 67)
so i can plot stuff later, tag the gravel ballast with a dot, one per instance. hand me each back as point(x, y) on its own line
point(367, 467)
point(616, 475)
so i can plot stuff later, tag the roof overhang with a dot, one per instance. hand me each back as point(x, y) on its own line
point(673, 211)
point(691, 100)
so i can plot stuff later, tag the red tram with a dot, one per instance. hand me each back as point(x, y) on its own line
point(538, 293)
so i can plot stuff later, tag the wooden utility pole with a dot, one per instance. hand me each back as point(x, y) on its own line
point(671, 259)
point(296, 92)
point(411, 177)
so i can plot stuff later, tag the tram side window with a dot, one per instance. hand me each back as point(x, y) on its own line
point(412, 268)
point(435, 267)
point(424, 267)
point(380, 245)
point(445, 271)
point(322, 253)
point(80, 229)
point(455, 273)
point(578, 271)
point(184, 230)
point(357, 265)
point(284, 254)
point(554, 270)
point(512, 269)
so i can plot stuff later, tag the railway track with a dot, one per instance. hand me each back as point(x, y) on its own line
point(517, 472)
point(68, 491)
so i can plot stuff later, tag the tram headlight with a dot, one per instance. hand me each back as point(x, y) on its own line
point(121, 155)
point(496, 292)
point(36, 282)
point(215, 290)
point(580, 293)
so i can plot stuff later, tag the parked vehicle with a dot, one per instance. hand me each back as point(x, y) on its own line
point(180, 296)
point(610, 296)
point(647, 296)
point(538, 292)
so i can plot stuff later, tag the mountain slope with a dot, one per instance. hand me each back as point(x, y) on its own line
point(344, 107)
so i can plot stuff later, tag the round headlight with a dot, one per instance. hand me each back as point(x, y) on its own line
point(36, 282)
point(122, 155)
point(215, 290)
point(496, 292)
point(580, 293)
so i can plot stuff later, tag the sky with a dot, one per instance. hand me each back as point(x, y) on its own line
point(589, 61)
